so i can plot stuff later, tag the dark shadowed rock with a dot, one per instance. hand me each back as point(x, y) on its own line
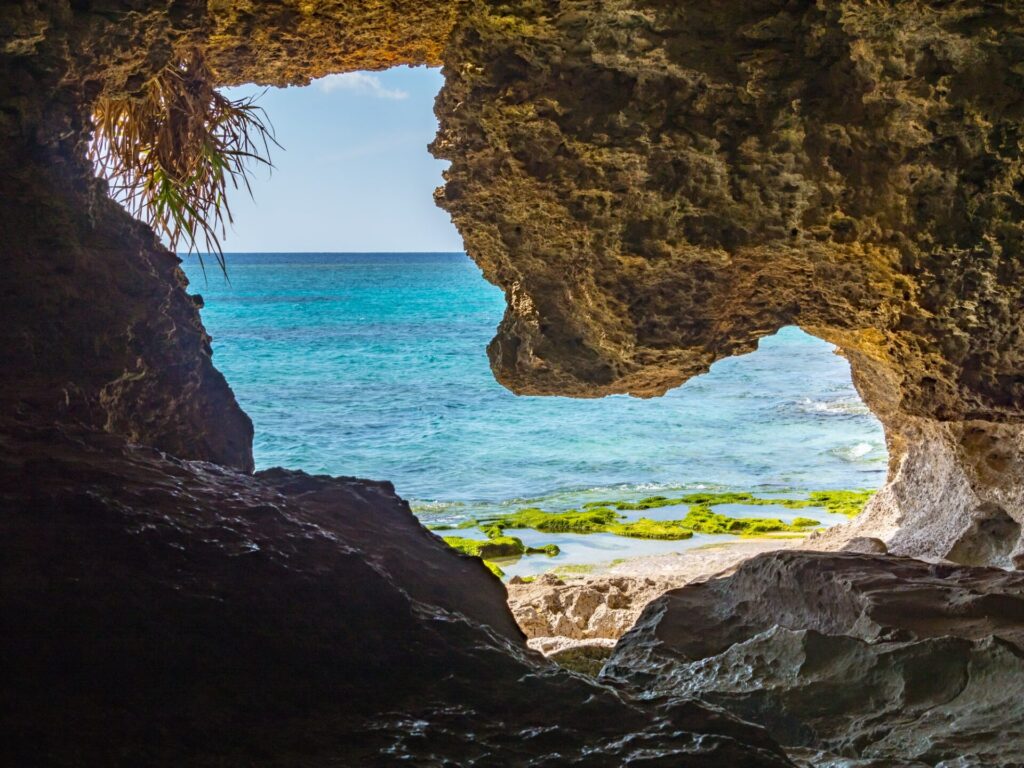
point(160, 612)
point(879, 658)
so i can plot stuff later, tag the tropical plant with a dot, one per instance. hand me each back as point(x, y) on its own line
point(170, 151)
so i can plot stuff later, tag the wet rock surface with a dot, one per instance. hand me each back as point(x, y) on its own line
point(850, 655)
point(162, 612)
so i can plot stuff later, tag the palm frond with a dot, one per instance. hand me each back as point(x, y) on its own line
point(169, 152)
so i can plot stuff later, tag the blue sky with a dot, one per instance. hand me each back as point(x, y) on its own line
point(354, 173)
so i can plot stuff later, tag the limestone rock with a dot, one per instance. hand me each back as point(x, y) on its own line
point(865, 545)
point(656, 186)
point(582, 608)
point(879, 658)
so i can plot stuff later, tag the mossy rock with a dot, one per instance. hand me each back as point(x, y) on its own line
point(548, 549)
point(606, 517)
point(667, 530)
point(500, 546)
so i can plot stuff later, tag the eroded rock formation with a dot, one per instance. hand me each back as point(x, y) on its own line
point(602, 608)
point(161, 612)
point(881, 658)
point(658, 185)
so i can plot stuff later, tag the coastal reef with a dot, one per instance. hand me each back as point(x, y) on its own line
point(655, 186)
point(606, 517)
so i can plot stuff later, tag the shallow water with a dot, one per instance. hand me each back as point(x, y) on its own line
point(374, 365)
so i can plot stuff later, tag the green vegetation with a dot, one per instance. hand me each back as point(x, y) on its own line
point(170, 151)
point(500, 546)
point(651, 529)
point(547, 549)
point(497, 547)
point(606, 517)
point(701, 519)
point(587, 521)
point(849, 503)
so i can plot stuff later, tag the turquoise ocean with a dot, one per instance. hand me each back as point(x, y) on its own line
point(374, 365)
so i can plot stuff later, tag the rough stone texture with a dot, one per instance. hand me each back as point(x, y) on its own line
point(655, 186)
point(658, 185)
point(95, 325)
point(160, 612)
point(882, 658)
point(561, 612)
point(583, 608)
point(98, 328)
point(287, 41)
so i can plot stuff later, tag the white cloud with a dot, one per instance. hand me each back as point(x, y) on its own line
point(360, 82)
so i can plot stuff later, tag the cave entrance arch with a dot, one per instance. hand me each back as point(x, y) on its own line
point(808, 203)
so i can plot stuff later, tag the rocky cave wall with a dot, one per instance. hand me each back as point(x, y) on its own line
point(654, 185)
point(658, 185)
point(97, 326)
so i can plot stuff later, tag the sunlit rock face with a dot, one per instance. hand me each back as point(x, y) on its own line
point(860, 656)
point(658, 185)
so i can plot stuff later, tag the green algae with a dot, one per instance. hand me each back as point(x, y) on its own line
point(701, 519)
point(551, 550)
point(644, 528)
point(499, 546)
point(849, 503)
point(595, 519)
point(606, 517)
point(573, 521)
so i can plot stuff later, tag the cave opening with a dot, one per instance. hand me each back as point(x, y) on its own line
point(357, 353)
point(655, 187)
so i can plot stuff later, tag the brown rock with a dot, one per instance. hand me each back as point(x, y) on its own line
point(584, 608)
point(656, 186)
point(865, 545)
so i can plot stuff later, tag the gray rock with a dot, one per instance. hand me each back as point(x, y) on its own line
point(866, 657)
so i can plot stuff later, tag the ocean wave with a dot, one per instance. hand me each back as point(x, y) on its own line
point(856, 452)
point(844, 406)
